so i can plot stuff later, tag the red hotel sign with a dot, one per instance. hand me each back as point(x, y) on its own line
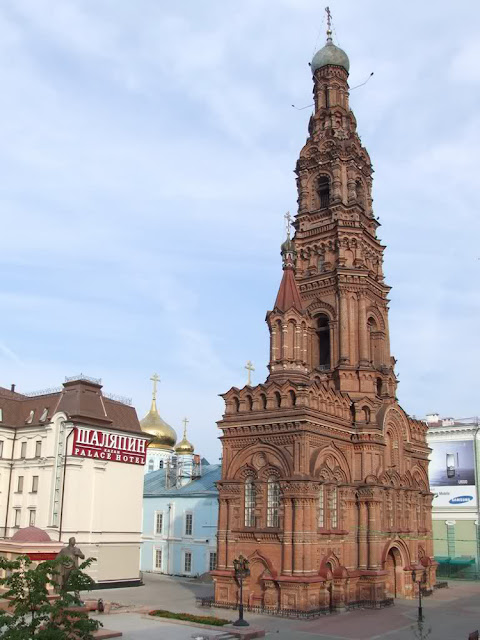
point(103, 445)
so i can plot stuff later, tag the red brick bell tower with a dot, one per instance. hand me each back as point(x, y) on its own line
point(324, 482)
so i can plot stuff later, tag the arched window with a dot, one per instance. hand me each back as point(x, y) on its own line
point(366, 414)
point(322, 355)
point(278, 399)
point(160, 466)
point(292, 398)
point(333, 506)
point(263, 401)
point(249, 503)
point(249, 403)
point(236, 405)
point(323, 192)
point(360, 189)
point(379, 387)
point(321, 507)
point(273, 502)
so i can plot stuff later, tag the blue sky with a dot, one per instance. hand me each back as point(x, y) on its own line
point(147, 151)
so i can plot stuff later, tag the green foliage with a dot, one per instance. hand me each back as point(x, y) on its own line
point(32, 614)
point(217, 622)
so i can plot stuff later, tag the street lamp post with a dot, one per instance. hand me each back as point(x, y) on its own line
point(420, 582)
point(240, 566)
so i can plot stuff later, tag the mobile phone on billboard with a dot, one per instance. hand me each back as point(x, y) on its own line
point(450, 465)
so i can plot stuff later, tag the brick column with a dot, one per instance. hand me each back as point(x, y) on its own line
point(297, 537)
point(372, 535)
point(362, 536)
point(362, 331)
point(287, 537)
point(222, 534)
point(343, 328)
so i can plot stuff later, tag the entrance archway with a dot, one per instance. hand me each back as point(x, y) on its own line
point(394, 568)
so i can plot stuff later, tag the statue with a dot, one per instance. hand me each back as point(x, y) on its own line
point(72, 553)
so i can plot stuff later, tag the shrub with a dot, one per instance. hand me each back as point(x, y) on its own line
point(189, 617)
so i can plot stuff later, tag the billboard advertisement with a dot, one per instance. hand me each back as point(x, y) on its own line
point(452, 474)
point(103, 445)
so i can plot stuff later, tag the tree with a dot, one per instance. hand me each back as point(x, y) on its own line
point(32, 614)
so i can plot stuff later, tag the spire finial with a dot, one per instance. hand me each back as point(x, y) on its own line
point(288, 222)
point(185, 422)
point(249, 367)
point(155, 378)
point(329, 24)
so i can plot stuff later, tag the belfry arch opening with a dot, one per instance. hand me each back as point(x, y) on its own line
point(323, 192)
point(321, 355)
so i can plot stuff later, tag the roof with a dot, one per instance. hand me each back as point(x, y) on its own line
point(31, 534)
point(82, 401)
point(288, 294)
point(154, 483)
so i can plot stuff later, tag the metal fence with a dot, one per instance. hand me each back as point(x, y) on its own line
point(296, 613)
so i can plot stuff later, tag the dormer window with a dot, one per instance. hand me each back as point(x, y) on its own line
point(1, 415)
point(29, 420)
point(44, 415)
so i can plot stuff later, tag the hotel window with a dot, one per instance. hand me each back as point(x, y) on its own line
point(31, 519)
point(18, 515)
point(333, 507)
point(44, 415)
point(1, 448)
point(35, 484)
point(273, 503)
point(249, 503)
point(1, 415)
point(150, 465)
point(321, 507)
point(23, 450)
point(188, 562)
point(20, 484)
point(159, 522)
point(38, 448)
point(213, 561)
point(29, 420)
point(188, 524)
point(158, 559)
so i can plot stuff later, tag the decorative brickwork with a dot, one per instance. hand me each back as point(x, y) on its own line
point(329, 468)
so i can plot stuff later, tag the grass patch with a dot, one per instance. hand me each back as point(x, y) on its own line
point(189, 617)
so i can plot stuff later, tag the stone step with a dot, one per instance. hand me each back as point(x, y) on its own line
point(104, 634)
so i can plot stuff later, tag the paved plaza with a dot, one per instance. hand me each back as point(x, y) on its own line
point(451, 614)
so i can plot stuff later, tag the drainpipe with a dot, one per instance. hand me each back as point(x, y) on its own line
point(477, 495)
point(63, 483)
point(9, 484)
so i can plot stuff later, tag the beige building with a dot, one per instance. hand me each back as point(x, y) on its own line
point(94, 492)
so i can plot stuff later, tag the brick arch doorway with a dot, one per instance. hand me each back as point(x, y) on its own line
point(394, 569)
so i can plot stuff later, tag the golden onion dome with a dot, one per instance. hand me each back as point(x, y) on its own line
point(184, 447)
point(164, 437)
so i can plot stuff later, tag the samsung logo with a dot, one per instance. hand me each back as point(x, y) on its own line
point(460, 499)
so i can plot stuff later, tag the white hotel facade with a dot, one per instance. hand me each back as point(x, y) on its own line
point(72, 464)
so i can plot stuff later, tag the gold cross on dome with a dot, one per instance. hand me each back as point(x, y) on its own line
point(329, 20)
point(249, 367)
point(155, 378)
point(288, 221)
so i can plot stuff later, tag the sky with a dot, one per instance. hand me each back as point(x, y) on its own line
point(147, 152)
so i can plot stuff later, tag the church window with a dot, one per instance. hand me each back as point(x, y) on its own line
point(212, 565)
point(188, 562)
point(263, 401)
point(379, 387)
point(366, 414)
point(236, 405)
point(150, 465)
point(292, 397)
point(273, 502)
point(360, 189)
point(333, 506)
point(160, 464)
point(321, 507)
point(249, 503)
point(323, 192)
point(249, 403)
point(158, 559)
point(188, 524)
point(322, 356)
point(159, 523)
point(278, 399)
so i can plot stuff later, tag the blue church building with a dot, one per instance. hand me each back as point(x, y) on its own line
point(180, 511)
